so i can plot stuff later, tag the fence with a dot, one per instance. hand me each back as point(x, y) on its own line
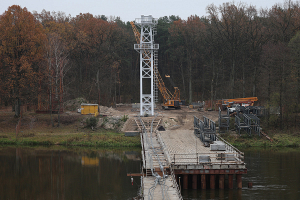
point(216, 158)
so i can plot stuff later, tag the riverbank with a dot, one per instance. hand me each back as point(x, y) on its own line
point(279, 139)
point(37, 129)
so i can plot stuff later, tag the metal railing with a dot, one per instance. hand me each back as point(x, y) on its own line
point(215, 158)
point(228, 146)
point(175, 183)
point(166, 152)
point(158, 180)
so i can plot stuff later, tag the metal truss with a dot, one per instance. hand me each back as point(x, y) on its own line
point(147, 50)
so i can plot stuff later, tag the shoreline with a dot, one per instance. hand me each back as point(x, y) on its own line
point(111, 138)
point(37, 130)
point(279, 140)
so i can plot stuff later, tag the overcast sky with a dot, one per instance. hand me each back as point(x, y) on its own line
point(128, 10)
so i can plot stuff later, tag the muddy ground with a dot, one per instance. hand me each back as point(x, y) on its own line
point(181, 119)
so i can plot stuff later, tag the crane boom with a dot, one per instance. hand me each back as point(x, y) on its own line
point(167, 95)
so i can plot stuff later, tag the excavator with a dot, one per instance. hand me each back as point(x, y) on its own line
point(170, 100)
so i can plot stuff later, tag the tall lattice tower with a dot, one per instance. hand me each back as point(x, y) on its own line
point(148, 52)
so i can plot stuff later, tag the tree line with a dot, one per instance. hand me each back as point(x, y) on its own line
point(234, 51)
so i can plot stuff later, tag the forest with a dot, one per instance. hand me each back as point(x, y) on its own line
point(234, 51)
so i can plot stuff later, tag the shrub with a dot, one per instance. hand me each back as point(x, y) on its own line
point(124, 118)
point(92, 122)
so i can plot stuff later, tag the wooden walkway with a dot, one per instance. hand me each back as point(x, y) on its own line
point(158, 182)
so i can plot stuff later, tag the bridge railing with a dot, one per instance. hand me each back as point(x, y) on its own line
point(208, 158)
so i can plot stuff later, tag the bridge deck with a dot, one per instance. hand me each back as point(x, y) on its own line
point(184, 148)
point(154, 160)
point(157, 193)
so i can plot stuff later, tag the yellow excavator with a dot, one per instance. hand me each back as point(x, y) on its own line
point(170, 100)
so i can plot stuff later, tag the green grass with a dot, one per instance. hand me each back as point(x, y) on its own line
point(96, 139)
point(71, 132)
point(279, 140)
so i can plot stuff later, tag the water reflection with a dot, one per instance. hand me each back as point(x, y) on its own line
point(64, 174)
point(275, 175)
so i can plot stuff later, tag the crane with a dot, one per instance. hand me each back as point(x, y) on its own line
point(170, 100)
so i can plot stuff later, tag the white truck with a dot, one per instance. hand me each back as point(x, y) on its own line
point(232, 109)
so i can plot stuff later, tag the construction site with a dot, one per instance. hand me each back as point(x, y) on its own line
point(181, 147)
point(181, 144)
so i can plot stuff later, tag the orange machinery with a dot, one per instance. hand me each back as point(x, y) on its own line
point(227, 103)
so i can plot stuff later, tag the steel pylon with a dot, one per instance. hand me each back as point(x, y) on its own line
point(147, 50)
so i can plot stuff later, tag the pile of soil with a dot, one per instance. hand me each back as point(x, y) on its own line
point(74, 104)
point(109, 111)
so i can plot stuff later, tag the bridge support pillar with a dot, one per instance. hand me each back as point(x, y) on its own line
point(212, 182)
point(203, 182)
point(221, 181)
point(230, 181)
point(239, 181)
point(185, 181)
point(194, 181)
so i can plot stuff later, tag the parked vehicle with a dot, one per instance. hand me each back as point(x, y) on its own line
point(232, 109)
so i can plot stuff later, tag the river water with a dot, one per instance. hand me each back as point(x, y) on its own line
point(275, 174)
point(32, 173)
point(45, 173)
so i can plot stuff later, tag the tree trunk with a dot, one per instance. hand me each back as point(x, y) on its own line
point(98, 86)
point(212, 82)
point(183, 82)
point(244, 81)
point(232, 79)
point(17, 107)
point(190, 80)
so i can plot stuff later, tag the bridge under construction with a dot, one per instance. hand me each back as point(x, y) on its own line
point(175, 160)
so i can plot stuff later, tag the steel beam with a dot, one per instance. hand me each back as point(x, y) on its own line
point(239, 181)
point(194, 182)
point(221, 181)
point(230, 181)
point(203, 182)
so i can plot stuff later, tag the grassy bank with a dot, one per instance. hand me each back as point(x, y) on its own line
point(99, 138)
point(38, 130)
point(280, 139)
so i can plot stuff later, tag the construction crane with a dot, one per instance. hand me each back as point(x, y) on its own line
point(170, 100)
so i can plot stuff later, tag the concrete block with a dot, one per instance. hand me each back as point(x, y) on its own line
point(229, 157)
point(204, 159)
point(216, 167)
point(131, 133)
point(217, 146)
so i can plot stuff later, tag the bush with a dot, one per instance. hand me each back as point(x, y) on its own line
point(124, 118)
point(92, 122)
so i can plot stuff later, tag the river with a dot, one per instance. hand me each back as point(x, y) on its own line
point(275, 174)
point(76, 173)
point(34, 173)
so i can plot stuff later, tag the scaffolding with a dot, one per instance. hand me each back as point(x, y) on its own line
point(223, 120)
point(248, 122)
point(205, 130)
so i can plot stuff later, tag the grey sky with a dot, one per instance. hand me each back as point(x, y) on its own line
point(128, 10)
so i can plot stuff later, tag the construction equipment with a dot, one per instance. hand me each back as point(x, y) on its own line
point(231, 104)
point(249, 101)
point(170, 100)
